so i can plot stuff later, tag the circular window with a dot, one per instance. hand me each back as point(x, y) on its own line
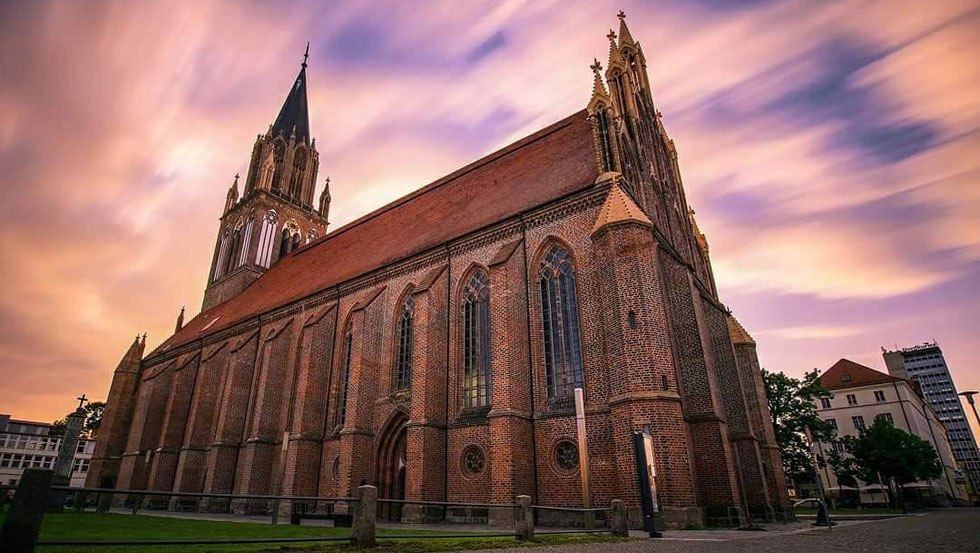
point(335, 469)
point(473, 461)
point(566, 455)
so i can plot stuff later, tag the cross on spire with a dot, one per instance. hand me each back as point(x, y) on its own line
point(621, 15)
point(81, 401)
point(306, 54)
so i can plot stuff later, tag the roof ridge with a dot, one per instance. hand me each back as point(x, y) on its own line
point(446, 179)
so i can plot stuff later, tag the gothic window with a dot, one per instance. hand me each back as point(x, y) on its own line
point(219, 262)
point(605, 146)
point(278, 153)
point(246, 240)
point(311, 235)
point(295, 242)
point(559, 324)
point(473, 460)
point(236, 239)
point(345, 376)
point(285, 242)
point(476, 341)
point(267, 238)
point(403, 360)
point(296, 178)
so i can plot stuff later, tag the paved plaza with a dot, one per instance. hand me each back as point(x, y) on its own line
point(948, 531)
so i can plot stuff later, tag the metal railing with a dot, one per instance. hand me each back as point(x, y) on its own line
point(35, 494)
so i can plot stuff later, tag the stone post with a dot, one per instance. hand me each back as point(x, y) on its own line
point(23, 522)
point(66, 457)
point(365, 517)
point(619, 523)
point(524, 518)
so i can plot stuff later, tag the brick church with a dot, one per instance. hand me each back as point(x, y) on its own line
point(432, 347)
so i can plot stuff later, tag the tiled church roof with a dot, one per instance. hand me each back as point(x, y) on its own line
point(551, 163)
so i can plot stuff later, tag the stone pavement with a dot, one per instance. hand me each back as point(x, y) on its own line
point(948, 531)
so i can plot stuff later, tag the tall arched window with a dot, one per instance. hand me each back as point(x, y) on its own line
point(476, 341)
point(559, 324)
point(296, 178)
point(278, 153)
point(295, 242)
point(605, 147)
point(345, 376)
point(285, 241)
point(403, 359)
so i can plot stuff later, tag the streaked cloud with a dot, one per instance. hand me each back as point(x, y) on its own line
point(829, 149)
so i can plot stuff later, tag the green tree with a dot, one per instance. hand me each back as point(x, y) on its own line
point(881, 449)
point(844, 467)
point(792, 404)
point(93, 418)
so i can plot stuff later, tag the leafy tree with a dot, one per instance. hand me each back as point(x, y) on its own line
point(93, 418)
point(843, 465)
point(792, 404)
point(882, 449)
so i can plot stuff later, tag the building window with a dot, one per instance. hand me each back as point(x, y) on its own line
point(885, 417)
point(833, 423)
point(858, 421)
point(825, 403)
point(403, 362)
point(345, 376)
point(476, 341)
point(473, 461)
point(566, 455)
point(559, 323)
point(852, 399)
point(879, 395)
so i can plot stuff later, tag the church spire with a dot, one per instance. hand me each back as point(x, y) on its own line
point(616, 60)
point(294, 117)
point(625, 38)
point(232, 198)
point(325, 201)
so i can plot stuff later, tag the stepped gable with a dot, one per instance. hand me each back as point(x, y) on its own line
point(848, 374)
point(547, 165)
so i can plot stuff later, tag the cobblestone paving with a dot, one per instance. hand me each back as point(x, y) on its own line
point(948, 531)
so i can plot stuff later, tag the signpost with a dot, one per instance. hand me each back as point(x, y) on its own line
point(583, 457)
point(646, 472)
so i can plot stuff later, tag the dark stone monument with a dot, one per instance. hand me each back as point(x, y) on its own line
point(23, 522)
point(74, 424)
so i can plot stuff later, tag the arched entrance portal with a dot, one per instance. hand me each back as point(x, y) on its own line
point(391, 466)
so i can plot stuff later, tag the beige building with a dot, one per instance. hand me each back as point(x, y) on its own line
point(861, 395)
point(28, 444)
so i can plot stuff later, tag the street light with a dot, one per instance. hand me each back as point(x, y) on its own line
point(969, 399)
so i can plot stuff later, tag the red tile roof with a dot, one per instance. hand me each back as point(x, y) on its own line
point(551, 163)
point(848, 374)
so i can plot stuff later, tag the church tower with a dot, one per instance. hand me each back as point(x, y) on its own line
point(275, 212)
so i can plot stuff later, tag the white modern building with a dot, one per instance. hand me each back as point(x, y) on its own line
point(926, 365)
point(28, 444)
point(861, 395)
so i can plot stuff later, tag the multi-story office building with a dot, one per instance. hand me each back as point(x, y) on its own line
point(926, 365)
point(861, 395)
point(28, 444)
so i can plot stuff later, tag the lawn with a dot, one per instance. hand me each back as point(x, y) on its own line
point(73, 526)
point(852, 511)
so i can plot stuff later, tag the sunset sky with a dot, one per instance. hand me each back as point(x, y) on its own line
point(830, 149)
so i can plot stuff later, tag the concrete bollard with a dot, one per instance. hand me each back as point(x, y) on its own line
point(365, 517)
point(524, 518)
point(23, 522)
point(620, 519)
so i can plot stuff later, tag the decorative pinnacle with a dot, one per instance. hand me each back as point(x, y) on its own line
point(306, 54)
point(621, 15)
point(611, 36)
point(596, 67)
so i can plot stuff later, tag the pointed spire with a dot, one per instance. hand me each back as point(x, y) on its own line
point(294, 117)
point(619, 208)
point(625, 38)
point(180, 320)
point(615, 56)
point(232, 198)
point(130, 362)
point(598, 86)
point(325, 199)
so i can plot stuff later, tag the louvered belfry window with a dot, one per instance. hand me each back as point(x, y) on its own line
point(559, 324)
point(403, 362)
point(476, 341)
